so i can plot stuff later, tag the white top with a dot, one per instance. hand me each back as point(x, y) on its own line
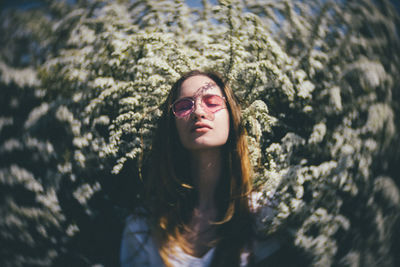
point(185, 260)
point(138, 249)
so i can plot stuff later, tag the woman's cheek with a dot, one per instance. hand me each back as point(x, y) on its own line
point(224, 129)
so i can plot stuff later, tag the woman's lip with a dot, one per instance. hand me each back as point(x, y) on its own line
point(200, 127)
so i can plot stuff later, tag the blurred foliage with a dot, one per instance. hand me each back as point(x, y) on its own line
point(81, 86)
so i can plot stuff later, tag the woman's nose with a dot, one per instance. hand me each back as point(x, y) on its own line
point(198, 109)
point(200, 112)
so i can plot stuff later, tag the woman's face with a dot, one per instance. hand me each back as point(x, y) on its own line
point(203, 128)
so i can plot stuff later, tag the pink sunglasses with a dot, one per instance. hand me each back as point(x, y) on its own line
point(210, 103)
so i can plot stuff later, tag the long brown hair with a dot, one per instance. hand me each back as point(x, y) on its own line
point(170, 190)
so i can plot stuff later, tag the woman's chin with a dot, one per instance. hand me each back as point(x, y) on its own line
point(203, 145)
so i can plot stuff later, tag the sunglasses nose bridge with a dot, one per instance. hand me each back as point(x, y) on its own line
point(198, 102)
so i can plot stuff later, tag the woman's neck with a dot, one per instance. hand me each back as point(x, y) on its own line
point(206, 171)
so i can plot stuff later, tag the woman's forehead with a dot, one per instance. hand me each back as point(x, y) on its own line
point(199, 85)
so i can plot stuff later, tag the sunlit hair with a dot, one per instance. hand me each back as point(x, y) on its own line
point(171, 193)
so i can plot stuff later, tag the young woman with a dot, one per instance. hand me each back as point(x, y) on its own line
point(198, 182)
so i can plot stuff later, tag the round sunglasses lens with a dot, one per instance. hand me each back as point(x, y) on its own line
point(183, 107)
point(213, 102)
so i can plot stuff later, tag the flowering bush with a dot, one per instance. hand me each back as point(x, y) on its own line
point(317, 84)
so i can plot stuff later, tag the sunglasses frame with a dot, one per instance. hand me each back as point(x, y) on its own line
point(193, 99)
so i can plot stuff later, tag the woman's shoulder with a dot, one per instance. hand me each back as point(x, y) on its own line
point(137, 246)
point(278, 251)
point(137, 222)
point(265, 247)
